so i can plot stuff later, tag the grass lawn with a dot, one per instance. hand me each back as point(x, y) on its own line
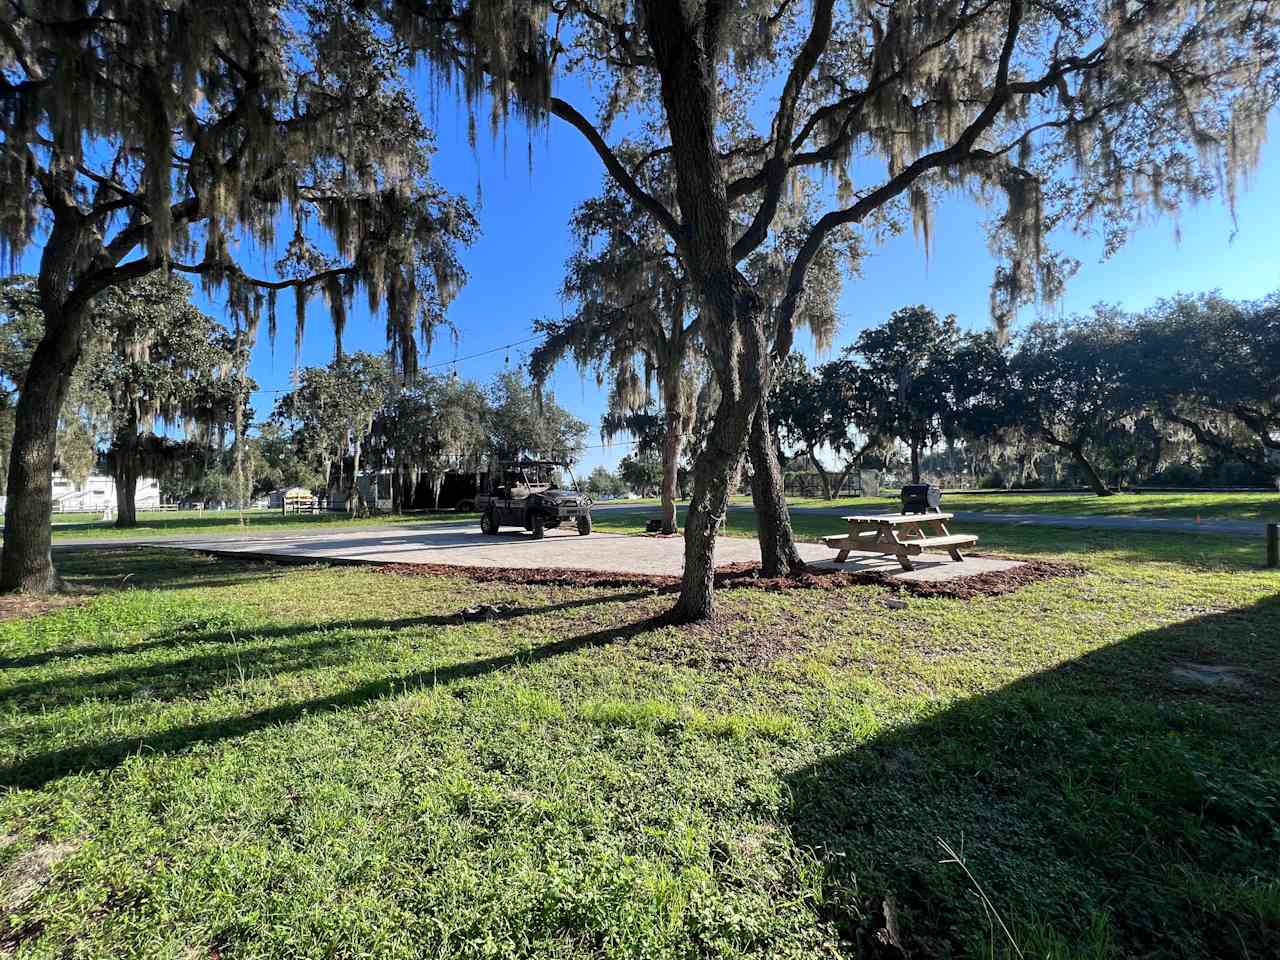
point(1208, 506)
point(70, 526)
point(235, 760)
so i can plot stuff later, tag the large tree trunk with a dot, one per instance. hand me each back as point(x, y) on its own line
point(734, 332)
point(672, 444)
point(915, 462)
point(355, 500)
point(27, 564)
point(823, 477)
point(778, 554)
point(127, 469)
point(397, 486)
point(713, 473)
point(1096, 483)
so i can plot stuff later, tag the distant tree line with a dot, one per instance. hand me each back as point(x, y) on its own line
point(152, 365)
point(156, 393)
point(354, 415)
point(1185, 392)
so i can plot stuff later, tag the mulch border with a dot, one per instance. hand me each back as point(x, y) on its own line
point(747, 576)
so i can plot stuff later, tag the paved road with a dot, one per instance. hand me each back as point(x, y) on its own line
point(462, 544)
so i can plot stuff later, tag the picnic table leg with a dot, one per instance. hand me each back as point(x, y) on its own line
point(905, 560)
point(942, 531)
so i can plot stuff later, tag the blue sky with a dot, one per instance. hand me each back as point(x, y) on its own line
point(516, 264)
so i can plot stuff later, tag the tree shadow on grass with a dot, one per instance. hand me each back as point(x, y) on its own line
point(185, 637)
point(42, 769)
point(131, 565)
point(1126, 803)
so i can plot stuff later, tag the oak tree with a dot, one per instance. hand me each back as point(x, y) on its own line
point(165, 135)
point(1053, 114)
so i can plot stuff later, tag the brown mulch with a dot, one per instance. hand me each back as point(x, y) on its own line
point(747, 575)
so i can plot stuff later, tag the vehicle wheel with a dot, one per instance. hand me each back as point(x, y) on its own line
point(539, 528)
point(488, 523)
point(584, 526)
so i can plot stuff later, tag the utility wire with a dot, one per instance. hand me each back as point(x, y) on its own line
point(454, 361)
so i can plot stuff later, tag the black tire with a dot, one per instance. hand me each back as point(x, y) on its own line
point(539, 528)
point(489, 523)
point(584, 526)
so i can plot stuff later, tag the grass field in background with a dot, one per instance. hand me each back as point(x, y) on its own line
point(241, 760)
point(70, 526)
point(1184, 506)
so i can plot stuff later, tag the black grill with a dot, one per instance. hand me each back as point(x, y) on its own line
point(921, 498)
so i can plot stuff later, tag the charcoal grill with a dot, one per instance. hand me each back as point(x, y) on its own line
point(921, 498)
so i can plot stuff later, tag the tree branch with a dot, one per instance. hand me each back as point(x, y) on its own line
point(958, 152)
point(784, 121)
point(651, 204)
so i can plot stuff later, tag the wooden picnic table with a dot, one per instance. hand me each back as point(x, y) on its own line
point(900, 535)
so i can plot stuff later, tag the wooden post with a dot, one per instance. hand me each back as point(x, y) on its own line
point(1273, 544)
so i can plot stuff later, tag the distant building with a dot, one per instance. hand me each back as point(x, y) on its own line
point(98, 493)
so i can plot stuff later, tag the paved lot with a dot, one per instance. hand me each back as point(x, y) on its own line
point(462, 544)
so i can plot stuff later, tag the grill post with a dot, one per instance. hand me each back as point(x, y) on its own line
point(1273, 544)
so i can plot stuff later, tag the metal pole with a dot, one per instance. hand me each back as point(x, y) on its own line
point(1273, 544)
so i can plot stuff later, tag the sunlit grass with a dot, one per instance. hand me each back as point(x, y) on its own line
point(249, 760)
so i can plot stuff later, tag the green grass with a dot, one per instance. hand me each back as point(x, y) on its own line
point(71, 526)
point(1187, 506)
point(1192, 550)
point(239, 760)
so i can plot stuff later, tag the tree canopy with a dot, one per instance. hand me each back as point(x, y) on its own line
point(1079, 115)
point(149, 135)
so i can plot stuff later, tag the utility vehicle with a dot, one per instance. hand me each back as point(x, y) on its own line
point(526, 496)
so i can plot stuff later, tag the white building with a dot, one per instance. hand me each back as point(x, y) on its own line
point(98, 493)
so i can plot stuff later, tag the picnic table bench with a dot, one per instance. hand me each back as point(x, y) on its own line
point(900, 535)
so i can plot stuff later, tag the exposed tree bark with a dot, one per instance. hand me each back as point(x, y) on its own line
point(734, 336)
point(672, 443)
point(397, 485)
point(355, 500)
point(1096, 483)
point(713, 474)
point(27, 563)
point(127, 468)
point(915, 462)
point(778, 554)
point(824, 478)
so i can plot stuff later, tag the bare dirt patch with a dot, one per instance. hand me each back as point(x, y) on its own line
point(20, 881)
point(21, 606)
point(747, 576)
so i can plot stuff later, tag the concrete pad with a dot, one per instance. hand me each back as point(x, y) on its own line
point(929, 567)
point(462, 544)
